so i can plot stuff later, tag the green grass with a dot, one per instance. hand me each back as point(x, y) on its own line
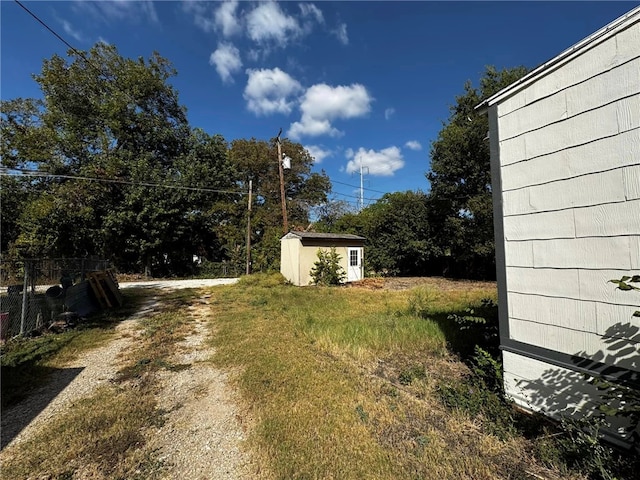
point(308, 360)
point(335, 383)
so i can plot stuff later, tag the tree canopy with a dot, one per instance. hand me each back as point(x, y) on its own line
point(115, 170)
point(460, 200)
point(449, 230)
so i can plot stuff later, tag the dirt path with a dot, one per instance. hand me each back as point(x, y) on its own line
point(201, 437)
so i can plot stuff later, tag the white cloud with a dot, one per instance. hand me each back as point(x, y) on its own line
point(313, 128)
point(318, 153)
point(322, 103)
point(388, 113)
point(267, 23)
point(381, 163)
point(226, 60)
point(226, 19)
point(202, 16)
point(341, 33)
point(310, 15)
point(310, 10)
point(413, 145)
point(270, 91)
point(69, 30)
point(119, 10)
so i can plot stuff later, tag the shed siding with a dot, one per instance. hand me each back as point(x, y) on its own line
point(298, 255)
point(569, 166)
point(289, 254)
point(309, 256)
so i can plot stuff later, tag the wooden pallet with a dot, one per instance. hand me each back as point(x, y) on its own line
point(105, 288)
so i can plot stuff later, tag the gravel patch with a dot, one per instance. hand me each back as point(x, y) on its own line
point(77, 379)
point(202, 436)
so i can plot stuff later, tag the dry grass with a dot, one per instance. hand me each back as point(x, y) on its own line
point(341, 384)
point(104, 436)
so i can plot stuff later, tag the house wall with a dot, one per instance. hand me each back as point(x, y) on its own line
point(568, 197)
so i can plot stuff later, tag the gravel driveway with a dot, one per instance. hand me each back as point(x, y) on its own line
point(178, 284)
point(202, 436)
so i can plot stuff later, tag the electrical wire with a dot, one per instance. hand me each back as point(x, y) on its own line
point(40, 174)
point(357, 197)
point(37, 173)
point(149, 184)
point(356, 186)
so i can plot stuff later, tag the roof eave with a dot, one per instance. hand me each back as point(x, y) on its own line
point(575, 50)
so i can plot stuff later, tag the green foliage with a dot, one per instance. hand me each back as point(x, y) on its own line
point(398, 233)
point(416, 372)
point(621, 400)
point(623, 283)
point(257, 161)
point(480, 325)
point(460, 203)
point(581, 448)
point(327, 269)
point(481, 394)
point(119, 120)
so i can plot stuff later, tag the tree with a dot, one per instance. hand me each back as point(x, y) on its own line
point(398, 233)
point(257, 160)
point(327, 270)
point(460, 202)
point(328, 214)
point(119, 121)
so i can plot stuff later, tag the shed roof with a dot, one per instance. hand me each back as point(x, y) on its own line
point(579, 48)
point(324, 236)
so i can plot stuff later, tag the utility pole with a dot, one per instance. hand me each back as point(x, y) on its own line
point(249, 230)
point(284, 201)
point(362, 186)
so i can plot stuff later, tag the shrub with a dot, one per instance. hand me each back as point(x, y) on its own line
point(327, 270)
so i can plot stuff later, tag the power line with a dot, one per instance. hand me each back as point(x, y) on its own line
point(149, 184)
point(36, 173)
point(50, 29)
point(356, 186)
point(354, 196)
point(16, 172)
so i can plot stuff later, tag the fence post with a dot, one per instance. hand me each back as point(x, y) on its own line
point(23, 314)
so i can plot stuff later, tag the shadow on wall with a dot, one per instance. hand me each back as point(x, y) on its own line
point(18, 416)
point(582, 393)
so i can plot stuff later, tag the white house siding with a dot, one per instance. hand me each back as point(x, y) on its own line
point(569, 168)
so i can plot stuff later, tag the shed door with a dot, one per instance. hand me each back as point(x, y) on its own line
point(355, 264)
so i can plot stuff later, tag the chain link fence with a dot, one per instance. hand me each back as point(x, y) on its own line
point(32, 291)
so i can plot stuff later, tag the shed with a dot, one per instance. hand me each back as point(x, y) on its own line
point(299, 251)
point(565, 166)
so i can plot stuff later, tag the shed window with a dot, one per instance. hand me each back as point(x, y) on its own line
point(353, 258)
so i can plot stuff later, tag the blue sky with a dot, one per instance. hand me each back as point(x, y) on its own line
point(354, 82)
